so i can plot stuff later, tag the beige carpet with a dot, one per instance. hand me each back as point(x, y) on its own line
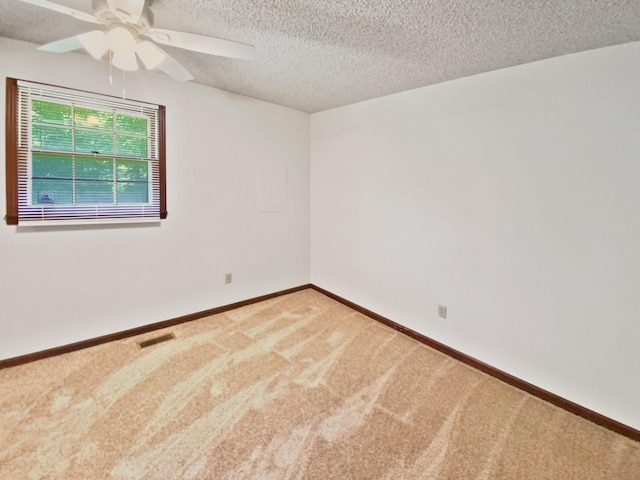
point(298, 387)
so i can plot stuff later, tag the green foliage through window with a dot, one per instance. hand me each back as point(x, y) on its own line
point(119, 171)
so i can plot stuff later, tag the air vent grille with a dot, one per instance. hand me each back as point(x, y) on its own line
point(160, 339)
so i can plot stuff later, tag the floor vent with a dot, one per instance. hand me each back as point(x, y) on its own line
point(153, 341)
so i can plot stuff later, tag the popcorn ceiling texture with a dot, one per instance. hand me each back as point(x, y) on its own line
point(315, 55)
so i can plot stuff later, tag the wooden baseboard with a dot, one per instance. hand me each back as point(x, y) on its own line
point(552, 398)
point(51, 352)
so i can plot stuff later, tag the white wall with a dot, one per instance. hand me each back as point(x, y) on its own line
point(63, 285)
point(513, 198)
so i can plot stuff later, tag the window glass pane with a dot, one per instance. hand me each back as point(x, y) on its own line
point(94, 180)
point(48, 112)
point(51, 138)
point(133, 181)
point(89, 168)
point(51, 179)
point(129, 192)
point(130, 124)
point(95, 119)
point(132, 146)
point(47, 191)
point(91, 191)
point(52, 166)
point(94, 142)
point(133, 170)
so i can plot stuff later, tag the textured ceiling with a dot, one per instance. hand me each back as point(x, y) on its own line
point(313, 55)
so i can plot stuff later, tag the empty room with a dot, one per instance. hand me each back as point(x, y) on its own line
point(320, 240)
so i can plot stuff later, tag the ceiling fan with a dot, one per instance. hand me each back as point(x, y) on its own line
point(127, 24)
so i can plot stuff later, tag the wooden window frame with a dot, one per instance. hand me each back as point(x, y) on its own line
point(13, 174)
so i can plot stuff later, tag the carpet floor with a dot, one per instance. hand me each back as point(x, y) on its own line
point(297, 387)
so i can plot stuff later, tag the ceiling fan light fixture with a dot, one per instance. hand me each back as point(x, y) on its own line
point(125, 60)
point(150, 55)
point(95, 43)
point(123, 45)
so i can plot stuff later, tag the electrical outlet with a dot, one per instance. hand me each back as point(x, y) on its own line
point(442, 311)
point(228, 278)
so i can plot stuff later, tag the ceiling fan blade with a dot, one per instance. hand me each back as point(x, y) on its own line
point(201, 43)
point(170, 67)
point(95, 42)
point(64, 45)
point(85, 17)
point(153, 57)
point(128, 11)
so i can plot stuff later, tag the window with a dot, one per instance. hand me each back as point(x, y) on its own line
point(79, 157)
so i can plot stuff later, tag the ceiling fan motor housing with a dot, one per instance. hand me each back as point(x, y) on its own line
point(103, 13)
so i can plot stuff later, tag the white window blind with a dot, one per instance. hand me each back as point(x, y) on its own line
point(87, 158)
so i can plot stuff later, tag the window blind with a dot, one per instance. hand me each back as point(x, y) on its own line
point(85, 137)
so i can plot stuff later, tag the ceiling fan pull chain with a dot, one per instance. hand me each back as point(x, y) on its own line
point(123, 90)
point(110, 67)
